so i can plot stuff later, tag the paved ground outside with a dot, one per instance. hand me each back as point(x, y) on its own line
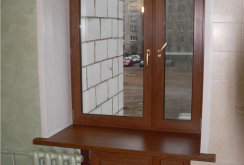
point(133, 91)
point(178, 91)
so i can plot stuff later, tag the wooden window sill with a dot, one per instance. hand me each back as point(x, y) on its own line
point(128, 141)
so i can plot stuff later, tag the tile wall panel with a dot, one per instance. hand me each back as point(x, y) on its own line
point(227, 118)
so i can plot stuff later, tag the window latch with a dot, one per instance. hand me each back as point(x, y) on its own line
point(147, 55)
point(160, 50)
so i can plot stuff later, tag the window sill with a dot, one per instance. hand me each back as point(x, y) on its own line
point(128, 141)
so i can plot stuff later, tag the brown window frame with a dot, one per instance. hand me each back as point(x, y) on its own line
point(197, 83)
point(153, 112)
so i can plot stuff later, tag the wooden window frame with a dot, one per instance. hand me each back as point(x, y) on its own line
point(76, 78)
point(153, 113)
point(197, 74)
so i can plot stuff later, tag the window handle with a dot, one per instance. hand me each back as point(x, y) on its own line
point(160, 50)
point(147, 55)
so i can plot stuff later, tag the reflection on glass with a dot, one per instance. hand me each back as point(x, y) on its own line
point(178, 59)
point(112, 51)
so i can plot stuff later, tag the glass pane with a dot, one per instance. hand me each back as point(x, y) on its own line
point(133, 58)
point(112, 57)
point(178, 59)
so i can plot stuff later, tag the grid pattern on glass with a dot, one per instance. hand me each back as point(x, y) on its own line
point(178, 59)
point(107, 81)
point(102, 56)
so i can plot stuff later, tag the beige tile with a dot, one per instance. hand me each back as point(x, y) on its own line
point(242, 43)
point(227, 94)
point(227, 11)
point(227, 37)
point(219, 162)
point(226, 65)
point(201, 163)
point(241, 63)
point(229, 148)
point(243, 12)
point(227, 121)
point(242, 53)
point(243, 35)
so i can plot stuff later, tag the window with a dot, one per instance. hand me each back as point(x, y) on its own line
point(133, 28)
point(133, 38)
point(181, 8)
point(96, 78)
point(133, 9)
point(181, 27)
point(180, 37)
point(133, 18)
point(111, 87)
point(169, 27)
point(133, 48)
point(180, 17)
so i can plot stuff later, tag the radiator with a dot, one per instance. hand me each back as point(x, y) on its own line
point(49, 158)
point(52, 158)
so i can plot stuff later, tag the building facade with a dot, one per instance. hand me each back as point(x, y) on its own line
point(133, 27)
point(179, 25)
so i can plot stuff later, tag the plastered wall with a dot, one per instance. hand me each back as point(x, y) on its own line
point(35, 74)
point(20, 120)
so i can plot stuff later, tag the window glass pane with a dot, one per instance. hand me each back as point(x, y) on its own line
point(178, 59)
point(133, 53)
point(112, 51)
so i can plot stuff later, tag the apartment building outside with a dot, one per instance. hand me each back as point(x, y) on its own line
point(133, 27)
point(179, 30)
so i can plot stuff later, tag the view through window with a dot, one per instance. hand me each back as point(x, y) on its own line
point(178, 59)
point(112, 39)
point(133, 61)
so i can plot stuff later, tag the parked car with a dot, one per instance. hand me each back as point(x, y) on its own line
point(127, 62)
point(141, 63)
point(136, 58)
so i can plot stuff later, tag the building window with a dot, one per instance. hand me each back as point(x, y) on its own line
point(181, 8)
point(181, 27)
point(133, 48)
point(133, 38)
point(180, 37)
point(133, 28)
point(169, 27)
point(133, 18)
point(180, 17)
point(133, 9)
point(170, 18)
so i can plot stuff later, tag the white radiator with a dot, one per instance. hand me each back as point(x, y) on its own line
point(52, 158)
point(49, 158)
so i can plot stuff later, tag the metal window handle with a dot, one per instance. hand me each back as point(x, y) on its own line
point(160, 50)
point(147, 55)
